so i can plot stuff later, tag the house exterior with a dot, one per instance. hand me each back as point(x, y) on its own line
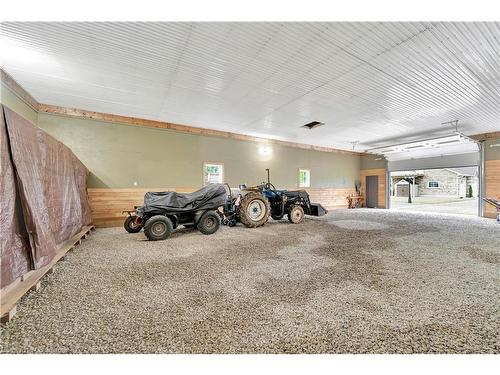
point(450, 182)
point(403, 187)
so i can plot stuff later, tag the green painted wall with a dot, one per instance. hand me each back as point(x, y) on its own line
point(119, 155)
point(371, 162)
point(11, 100)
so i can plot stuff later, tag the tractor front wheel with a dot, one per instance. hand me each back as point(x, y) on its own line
point(296, 214)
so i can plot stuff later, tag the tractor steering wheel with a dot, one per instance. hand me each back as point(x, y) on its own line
point(269, 186)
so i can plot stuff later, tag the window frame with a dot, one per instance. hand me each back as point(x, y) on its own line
point(433, 187)
point(204, 164)
point(308, 177)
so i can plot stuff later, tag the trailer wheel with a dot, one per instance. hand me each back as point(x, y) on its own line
point(158, 227)
point(254, 210)
point(131, 226)
point(209, 222)
point(296, 214)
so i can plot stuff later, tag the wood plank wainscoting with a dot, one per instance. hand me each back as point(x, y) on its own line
point(108, 204)
point(381, 184)
point(492, 185)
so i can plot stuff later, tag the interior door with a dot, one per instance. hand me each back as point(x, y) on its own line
point(372, 191)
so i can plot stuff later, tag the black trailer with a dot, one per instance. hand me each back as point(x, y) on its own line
point(163, 212)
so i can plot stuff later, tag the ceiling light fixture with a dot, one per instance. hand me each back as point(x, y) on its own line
point(265, 150)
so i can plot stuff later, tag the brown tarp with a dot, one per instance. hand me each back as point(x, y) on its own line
point(14, 244)
point(51, 183)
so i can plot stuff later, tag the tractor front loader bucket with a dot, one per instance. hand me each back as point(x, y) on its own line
point(318, 210)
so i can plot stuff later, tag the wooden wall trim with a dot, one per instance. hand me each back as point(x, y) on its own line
point(108, 204)
point(17, 89)
point(134, 121)
point(492, 185)
point(486, 136)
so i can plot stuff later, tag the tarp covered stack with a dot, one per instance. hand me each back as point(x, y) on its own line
point(43, 197)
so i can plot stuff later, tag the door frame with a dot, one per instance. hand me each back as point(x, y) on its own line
point(479, 166)
point(376, 177)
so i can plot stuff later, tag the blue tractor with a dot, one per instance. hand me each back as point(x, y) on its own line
point(253, 205)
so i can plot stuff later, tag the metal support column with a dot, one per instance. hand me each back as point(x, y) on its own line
point(387, 186)
point(480, 205)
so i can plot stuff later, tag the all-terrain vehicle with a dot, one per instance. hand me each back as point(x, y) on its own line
point(253, 205)
point(163, 212)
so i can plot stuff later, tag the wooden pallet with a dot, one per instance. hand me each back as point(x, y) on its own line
point(31, 281)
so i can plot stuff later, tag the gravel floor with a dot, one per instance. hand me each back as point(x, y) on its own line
point(355, 281)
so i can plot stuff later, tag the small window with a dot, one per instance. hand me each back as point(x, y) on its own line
point(304, 178)
point(213, 173)
point(432, 184)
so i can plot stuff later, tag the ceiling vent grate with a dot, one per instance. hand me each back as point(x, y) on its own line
point(313, 124)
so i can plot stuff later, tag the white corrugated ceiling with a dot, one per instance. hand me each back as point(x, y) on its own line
point(368, 82)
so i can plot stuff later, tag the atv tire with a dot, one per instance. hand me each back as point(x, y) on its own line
point(296, 214)
point(131, 226)
point(158, 227)
point(209, 222)
point(254, 210)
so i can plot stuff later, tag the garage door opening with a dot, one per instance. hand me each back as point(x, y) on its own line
point(443, 190)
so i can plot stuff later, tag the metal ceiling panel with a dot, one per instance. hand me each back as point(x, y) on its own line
point(376, 83)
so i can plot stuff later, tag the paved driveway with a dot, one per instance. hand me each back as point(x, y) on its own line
point(466, 206)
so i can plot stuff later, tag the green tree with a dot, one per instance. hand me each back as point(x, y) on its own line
point(469, 192)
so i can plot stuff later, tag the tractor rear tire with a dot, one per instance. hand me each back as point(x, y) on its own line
point(209, 222)
point(296, 214)
point(254, 210)
point(131, 226)
point(158, 227)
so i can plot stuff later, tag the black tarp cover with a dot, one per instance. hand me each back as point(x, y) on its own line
point(209, 197)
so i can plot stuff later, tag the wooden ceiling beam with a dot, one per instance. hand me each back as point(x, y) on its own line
point(486, 136)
